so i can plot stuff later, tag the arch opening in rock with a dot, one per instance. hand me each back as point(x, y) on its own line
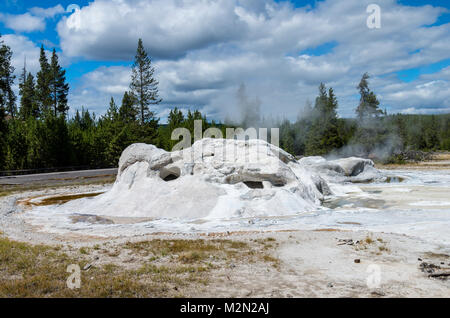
point(278, 183)
point(170, 174)
point(254, 184)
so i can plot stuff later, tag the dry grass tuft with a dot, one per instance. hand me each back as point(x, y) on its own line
point(171, 268)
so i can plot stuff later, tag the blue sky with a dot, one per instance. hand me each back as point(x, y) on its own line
point(280, 50)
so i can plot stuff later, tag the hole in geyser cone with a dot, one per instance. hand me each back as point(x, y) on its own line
point(170, 174)
point(254, 184)
point(278, 184)
point(170, 177)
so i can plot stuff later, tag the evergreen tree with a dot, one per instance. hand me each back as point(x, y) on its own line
point(372, 131)
point(175, 119)
point(369, 105)
point(3, 137)
point(332, 105)
point(323, 136)
point(400, 131)
point(59, 89)
point(321, 101)
point(332, 138)
point(287, 141)
point(56, 142)
point(28, 104)
point(112, 113)
point(431, 133)
point(144, 86)
point(7, 96)
point(127, 111)
point(43, 90)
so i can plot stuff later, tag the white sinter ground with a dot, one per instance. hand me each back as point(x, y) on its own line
point(224, 185)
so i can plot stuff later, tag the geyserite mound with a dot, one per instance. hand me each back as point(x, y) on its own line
point(215, 178)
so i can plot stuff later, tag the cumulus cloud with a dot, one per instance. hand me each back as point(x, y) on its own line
point(108, 29)
point(23, 22)
point(97, 88)
point(47, 12)
point(23, 48)
point(204, 50)
point(428, 94)
point(31, 21)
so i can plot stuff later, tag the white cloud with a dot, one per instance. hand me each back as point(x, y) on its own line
point(97, 88)
point(22, 48)
point(108, 29)
point(23, 22)
point(31, 21)
point(421, 96)
point(205, 49)
point(47, 12)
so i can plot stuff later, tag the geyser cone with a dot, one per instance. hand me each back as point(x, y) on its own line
point(215, 178)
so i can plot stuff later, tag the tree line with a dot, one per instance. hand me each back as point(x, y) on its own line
point(372, 133)
point(36, 131)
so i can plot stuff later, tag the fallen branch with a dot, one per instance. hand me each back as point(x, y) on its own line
point(439, 275)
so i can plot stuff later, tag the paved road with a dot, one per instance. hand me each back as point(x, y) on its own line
point(59, 177)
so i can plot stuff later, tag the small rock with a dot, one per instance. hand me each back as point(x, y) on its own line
point(330, 285)
point(378, 293)
point(232, 266)
point(357, 261)
point(442, 263)
point(419, 259)
point(87, 267)
point(175, 288)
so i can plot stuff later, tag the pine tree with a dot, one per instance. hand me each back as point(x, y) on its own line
point(144, 86)
point(127, 111)
point(323, 136)
point(28, 104)
point(332, 104)
point(112, 113)
point(43, 91)
point(3, 137)
point(321, 101)
point(7, 96)
point(59, 89)
point(175, 119)
point(369, 105)
point(22, 81)
point(431, 133)
point(332, 138)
